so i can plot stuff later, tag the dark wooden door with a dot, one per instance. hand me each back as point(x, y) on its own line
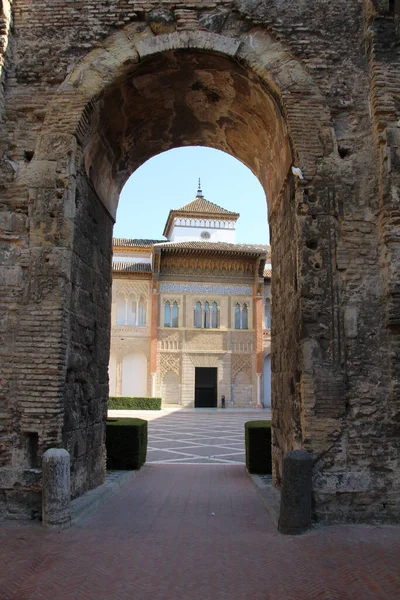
point(205, 387)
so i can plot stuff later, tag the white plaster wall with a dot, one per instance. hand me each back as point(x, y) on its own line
point(134, 375)
point(190, 234)
point(170, 388)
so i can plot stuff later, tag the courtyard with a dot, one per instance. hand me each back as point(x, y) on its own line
point(196, 436)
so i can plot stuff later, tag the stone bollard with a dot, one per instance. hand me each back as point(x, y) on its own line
point(56, 489)
point(295, 510)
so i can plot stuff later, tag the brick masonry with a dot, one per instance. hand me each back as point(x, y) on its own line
point(322, 83)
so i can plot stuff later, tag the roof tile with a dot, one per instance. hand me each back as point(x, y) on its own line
point(135, 243)
point(131, 267)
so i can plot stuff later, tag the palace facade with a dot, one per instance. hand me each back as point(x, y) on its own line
point(191, 313)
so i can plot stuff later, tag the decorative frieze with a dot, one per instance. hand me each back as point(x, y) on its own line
point(170, 340)
point(138, 289)
point(206, 340)
point(191, 265)
point(242, 342)
point(205, 289)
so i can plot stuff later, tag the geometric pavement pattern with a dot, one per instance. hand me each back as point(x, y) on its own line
point(197, 436)
point(195, 532)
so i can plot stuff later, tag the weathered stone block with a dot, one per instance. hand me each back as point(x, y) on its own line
point(56, 490)
point(295, 509)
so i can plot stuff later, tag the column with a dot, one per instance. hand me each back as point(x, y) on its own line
point(153, 384)
point(259, 396)
point(118, 377)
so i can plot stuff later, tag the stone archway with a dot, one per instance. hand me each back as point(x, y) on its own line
point(94, 136)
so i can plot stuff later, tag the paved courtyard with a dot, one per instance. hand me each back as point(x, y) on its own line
point(195, 532)
point(196, 436)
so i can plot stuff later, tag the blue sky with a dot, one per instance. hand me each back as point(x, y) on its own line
point(169, 180)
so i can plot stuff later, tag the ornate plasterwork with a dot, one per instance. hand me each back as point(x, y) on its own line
point(242, 362)
point(242, 342)
point(205, 289)
point(203, 360)
point(139, 289)
point(170, 340)
point(210, 340)
point(169, 362)
point(189, 265)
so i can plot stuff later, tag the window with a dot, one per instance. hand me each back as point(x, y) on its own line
point(197, 314)
point(245, 317)
point(206, 316)
point(121, 310)
point(131, 312)
point(167, 314)
point(237, 316)
point(141, 314)
point(171, 314)
point(175, 315)
point(214, 316)
point(241, 316)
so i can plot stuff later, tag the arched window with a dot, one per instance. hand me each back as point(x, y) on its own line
point(206, 315)
point(197, 315)
point(167, 314)
point(267, 314)
point(175, 315)
point(245, 317)
point(141, 318)
point(214, 316)
point(237, 316)
point(131, 311)
point(121, 307)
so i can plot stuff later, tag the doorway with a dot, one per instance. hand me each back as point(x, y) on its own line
point(205, 395)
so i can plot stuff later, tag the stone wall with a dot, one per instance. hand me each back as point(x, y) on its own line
point(322, 82)
point(88, 341)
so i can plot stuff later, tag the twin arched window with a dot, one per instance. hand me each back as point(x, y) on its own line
point(241, 316)
point(206, 316)
point(171, 314)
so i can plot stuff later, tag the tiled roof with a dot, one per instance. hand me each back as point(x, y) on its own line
point(201, 205)
point(131, 267)
point(215, 246)
point(129, 243)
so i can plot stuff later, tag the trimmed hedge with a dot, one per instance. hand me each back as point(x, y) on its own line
point(126, 443)
point(133, 403)
point(258, 447)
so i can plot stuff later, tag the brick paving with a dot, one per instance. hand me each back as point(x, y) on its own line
point(195, 532)
point(196, 436)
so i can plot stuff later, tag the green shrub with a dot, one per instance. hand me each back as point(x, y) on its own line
point(258, 446)
point(126, 443)
point(131, 403)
